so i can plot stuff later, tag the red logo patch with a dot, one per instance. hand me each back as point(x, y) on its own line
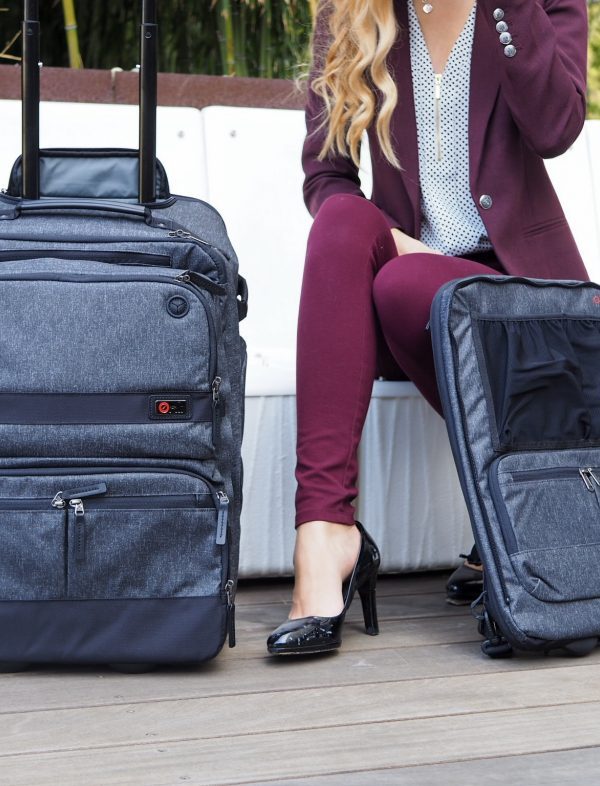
point(596, 299)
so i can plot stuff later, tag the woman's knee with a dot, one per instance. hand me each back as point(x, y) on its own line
point(399, 291)
point(353, 215)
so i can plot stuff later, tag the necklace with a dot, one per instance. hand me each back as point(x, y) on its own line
point(427, 8)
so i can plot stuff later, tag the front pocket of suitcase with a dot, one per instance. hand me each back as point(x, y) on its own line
point(548, 505)
point(86, 362)
point(147, 550)
point(143, 534)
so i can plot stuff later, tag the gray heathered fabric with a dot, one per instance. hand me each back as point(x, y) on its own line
point(151, 350)
point(549, 590)
point(131, 552)
point(32, 545)
point(72, 337)
point(154, 440)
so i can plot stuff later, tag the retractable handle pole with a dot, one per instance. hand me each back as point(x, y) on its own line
point(148, 99)
point(30, 98)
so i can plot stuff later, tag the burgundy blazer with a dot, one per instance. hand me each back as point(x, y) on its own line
point(522, 109)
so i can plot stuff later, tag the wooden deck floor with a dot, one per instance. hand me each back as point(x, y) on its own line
point(418, 705)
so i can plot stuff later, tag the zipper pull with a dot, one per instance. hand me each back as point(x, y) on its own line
point(222, 517)
point(230, 613)
point(75, 501)
point(202, 282)
point(77, 506)
point(438, 87)
point(590, 472)
point(585, 475)
point(58, 501)
point(97, 490)
point(185, 235)
point(216, 396)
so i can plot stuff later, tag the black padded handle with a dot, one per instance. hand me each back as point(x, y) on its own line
point(37, 205)
point(133, 210)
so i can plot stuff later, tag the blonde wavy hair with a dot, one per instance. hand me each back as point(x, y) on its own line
point(362, 33)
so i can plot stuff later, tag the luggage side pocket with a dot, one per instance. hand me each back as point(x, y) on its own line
point(548, 505)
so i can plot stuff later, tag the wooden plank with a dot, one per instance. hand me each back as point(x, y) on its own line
point(303, 753)
point(565, 768)
point(56, 688)
point(394, 633)
point(318, 709)
point(396, 607)
point(261, 591)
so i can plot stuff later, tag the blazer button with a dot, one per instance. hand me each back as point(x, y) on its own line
point(502, 27)
point(486, 201)
point(510, 50)
point(505, 38)
point(498, 14)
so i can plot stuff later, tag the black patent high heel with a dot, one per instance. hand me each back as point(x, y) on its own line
point(466, 583)
point(309, 635)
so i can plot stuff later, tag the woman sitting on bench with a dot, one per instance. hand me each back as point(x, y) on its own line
point(462, 100)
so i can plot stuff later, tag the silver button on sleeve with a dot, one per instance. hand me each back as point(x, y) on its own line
point(486, 201)
point(502, 27)
point(498, 14)
point(505, 38)
point(510, 50)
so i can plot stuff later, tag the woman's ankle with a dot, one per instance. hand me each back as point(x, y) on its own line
point(324, 556)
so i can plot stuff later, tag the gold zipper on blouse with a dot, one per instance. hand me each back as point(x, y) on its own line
point(438, 116)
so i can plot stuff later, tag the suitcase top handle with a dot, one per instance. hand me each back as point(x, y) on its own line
point(53, 204)
point(30, 95)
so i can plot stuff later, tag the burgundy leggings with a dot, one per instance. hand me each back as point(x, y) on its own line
point(360, 302)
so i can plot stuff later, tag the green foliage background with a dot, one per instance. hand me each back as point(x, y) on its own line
point(266, 38)
point(242, 37)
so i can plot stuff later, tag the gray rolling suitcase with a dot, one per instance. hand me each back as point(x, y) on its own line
point(121, 403)
point(517, 362)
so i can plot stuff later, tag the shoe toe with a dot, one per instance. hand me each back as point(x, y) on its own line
point(306, 634)
point(464, 585)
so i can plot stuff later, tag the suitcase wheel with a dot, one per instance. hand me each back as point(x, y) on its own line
point(133, 668)
point(495, 645)
point(496, 648)
point(7, 667)
point(580, 648)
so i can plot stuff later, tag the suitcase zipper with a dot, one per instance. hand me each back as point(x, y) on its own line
point(230, 613)
point(122, 257)
point(171, 234)
point(94, 501)
point(587, 474)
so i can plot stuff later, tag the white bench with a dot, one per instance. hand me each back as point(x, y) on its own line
point(246, 163)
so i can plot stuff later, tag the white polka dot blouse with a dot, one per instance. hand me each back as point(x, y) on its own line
point(450, 221)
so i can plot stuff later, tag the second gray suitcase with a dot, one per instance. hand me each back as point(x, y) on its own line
point(519, 377)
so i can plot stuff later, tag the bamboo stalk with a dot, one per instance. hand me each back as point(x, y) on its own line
point(4, 53)
point(75, 60)
point(227, 36)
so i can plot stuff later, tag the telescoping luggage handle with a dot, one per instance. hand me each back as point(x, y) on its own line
point(30, 92)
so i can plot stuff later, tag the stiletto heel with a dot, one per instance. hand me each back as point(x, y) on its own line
point(368, 599)
point(310, 635)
